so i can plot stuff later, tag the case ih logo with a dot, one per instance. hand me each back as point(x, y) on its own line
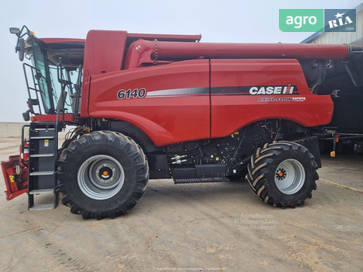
point(263, 90)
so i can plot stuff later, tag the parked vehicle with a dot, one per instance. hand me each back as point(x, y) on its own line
point(151, 106)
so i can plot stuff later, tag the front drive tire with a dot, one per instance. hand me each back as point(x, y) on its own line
point(282, 174)
point(102, 174)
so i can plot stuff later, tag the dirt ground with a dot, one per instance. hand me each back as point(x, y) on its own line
point(196, 227)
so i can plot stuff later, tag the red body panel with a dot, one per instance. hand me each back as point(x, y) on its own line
point(164, 119)
point(167, 119)
point(232, 112)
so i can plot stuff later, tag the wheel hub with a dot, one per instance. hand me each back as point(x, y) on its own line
point(281, 174)
point(105, 173)
point(101, 177)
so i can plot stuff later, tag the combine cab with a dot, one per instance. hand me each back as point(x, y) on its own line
point(169, 106)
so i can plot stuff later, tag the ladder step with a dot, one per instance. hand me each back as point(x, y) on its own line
point(41, 207)
point(42, 194)
point(42, 173)
point(41, 155)
point(41, 191)
point(41, 137)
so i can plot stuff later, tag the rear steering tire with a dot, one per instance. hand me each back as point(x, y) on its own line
point(102, 174)
point(282, 174)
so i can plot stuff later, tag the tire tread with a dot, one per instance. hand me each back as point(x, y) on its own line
point(120, 141)
point(258, 167)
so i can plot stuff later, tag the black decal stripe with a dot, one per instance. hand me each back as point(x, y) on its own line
point(234, 90)
point(238, 94)
point(179, 92)
point(215, 91)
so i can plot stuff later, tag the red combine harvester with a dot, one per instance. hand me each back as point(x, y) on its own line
point(168, 106)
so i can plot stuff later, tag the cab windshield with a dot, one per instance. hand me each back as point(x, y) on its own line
point(57, 69)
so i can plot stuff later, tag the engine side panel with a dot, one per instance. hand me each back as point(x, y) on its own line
point(247, 90)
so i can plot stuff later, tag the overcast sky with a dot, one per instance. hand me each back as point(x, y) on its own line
point(217, 21)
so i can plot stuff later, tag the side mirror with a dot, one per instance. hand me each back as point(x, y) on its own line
point(21, 49)
point(14, 30)
point(26, 115)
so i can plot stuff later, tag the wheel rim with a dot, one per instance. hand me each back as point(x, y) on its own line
point(289, 176)
point(101, 177)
